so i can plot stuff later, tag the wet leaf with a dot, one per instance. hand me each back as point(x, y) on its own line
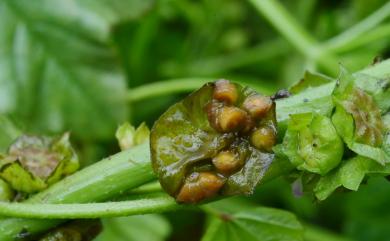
point(191, 133)
point(32, 163)
point(312, 144)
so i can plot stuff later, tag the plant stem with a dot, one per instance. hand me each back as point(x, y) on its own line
point(165, 87)
point(157, 204)
point(359, 30)
point(280, 18)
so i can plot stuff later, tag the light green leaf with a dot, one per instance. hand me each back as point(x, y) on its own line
point(135, 228)
point(308, 81)
point(312, 144)
point(349, 175)
point(262, 224)
point(6, 192)
point(57, 69)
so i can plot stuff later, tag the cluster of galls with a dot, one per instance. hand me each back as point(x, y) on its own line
point(230, 112)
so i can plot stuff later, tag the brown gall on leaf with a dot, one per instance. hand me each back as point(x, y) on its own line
point(264, 138)
point(200, 186)
point(227, 162)
point(231, 119)
point(208, 134)
point(225, 91)
point(367, 117)
point(257, 106)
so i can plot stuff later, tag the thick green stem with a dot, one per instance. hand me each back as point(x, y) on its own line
point(129, 169)
point(161, 203)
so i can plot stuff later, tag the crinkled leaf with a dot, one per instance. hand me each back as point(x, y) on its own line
point(32, 163)
point(79, 230)
point(312, 144)
point(379, 88)
point(349, 175)
point(358, 120)
point(183, 139)
point(150, 227)
point(57, 69)
point(255, 224)
point(128, 136)
point(308, 81)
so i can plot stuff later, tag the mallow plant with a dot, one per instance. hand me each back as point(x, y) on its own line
point(222, 140)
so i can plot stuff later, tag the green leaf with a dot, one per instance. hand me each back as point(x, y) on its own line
point(349, 175)
point(358, 120)
point(308, 81)
point(312, 144)
point(256, 224)
point(128, 136)
point(32, 163)
point(79, 230)
point(150, 227)
point(57, 69)
point(6, 192)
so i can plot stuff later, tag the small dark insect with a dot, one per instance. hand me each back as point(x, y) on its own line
point(283, 93)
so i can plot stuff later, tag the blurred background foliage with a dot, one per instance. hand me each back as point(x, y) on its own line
point(89, 65)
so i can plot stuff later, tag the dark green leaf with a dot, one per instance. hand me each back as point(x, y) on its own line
point(57, 70)
point(79, 230)
point(262, 224)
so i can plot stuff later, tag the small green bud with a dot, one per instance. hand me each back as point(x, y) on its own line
point(128, 136)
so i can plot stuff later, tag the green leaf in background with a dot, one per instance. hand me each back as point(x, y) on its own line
point(32, 163)
point(349, 175)
point(58, 70)
point(309, 80)
point(358, 119)
point(8, 133)
point(312, 144)
point(151, 227)
point(262, 224)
